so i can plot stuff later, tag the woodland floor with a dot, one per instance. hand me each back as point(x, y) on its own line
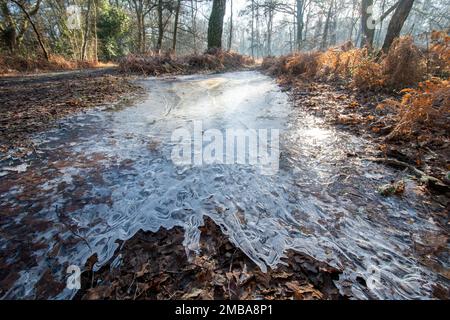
point(155, 266)
point(32, 103)
point(357, 112)
point(221, 271)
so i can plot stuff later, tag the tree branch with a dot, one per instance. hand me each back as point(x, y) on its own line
point(20, 5)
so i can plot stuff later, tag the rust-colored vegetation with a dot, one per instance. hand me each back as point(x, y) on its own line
point(17, 64)
point(406, 91)
point(166, 63)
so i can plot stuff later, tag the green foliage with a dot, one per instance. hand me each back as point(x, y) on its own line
point(113, 33)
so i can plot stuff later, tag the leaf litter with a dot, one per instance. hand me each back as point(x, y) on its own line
point(155, 266)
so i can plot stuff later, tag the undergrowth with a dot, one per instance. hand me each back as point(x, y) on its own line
point(428, 105)
point(402, 66)
point(166, 63)
point(10, 65)
point(420, 75)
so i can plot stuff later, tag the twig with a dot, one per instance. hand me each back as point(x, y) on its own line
point(60, 217)
point(229, 270)
point(131, 284)
point(399, 163)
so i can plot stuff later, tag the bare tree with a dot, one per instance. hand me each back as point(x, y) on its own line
point(159, 9)
point(13, 29)
point(215, 25)
point(368, 32)
point(300, 12)
point(38, 35)
point(327, 26)
point(396, 24)
point(230, 38)
point(141, 8)
point(368, 22)
point(86, 30)
point(175, 26)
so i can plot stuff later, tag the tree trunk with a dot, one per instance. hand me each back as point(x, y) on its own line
point(306, 25)
point(12, 33)
point(323, 45)
point(299, 24)
point(143, 34)
point(140, 19)
point(86, 32)
point(269, 31)
point(252, 42)
point(367, 24)
point(333, 25)
point(230, 38)
point(396, 24)
point(160, 26)
point(139, 35)
point(95, 32)
point(215, 25)
point(38, 35)
point(175, 26)
point(377, 36)
point(352, 26)
point(257, 35)
point(9, 33)
point(194, 24)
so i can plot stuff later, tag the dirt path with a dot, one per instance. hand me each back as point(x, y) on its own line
point(32, 103)
point(55, 76)
point(99, 177)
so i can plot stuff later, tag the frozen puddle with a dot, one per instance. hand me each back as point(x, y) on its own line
point(103, 175)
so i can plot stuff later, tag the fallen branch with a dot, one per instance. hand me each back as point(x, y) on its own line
point(419, 173)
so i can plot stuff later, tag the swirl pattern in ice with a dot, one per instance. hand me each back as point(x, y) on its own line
point(103, 175)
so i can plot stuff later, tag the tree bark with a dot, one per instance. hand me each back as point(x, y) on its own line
point(160, 25)
point(215, 25)
point(9, 33)
point(397, 21)
point(86, 32)
point(333, 25)
point(252, 42)
point(300, 24)
point(95, 31)
point(323, 45)
point(142, 8)
point(13, 32)
point(194, 24)
point(368, 33)
point(175, 26)
point(270, 13)
point(139, 30)
point(230, 39)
